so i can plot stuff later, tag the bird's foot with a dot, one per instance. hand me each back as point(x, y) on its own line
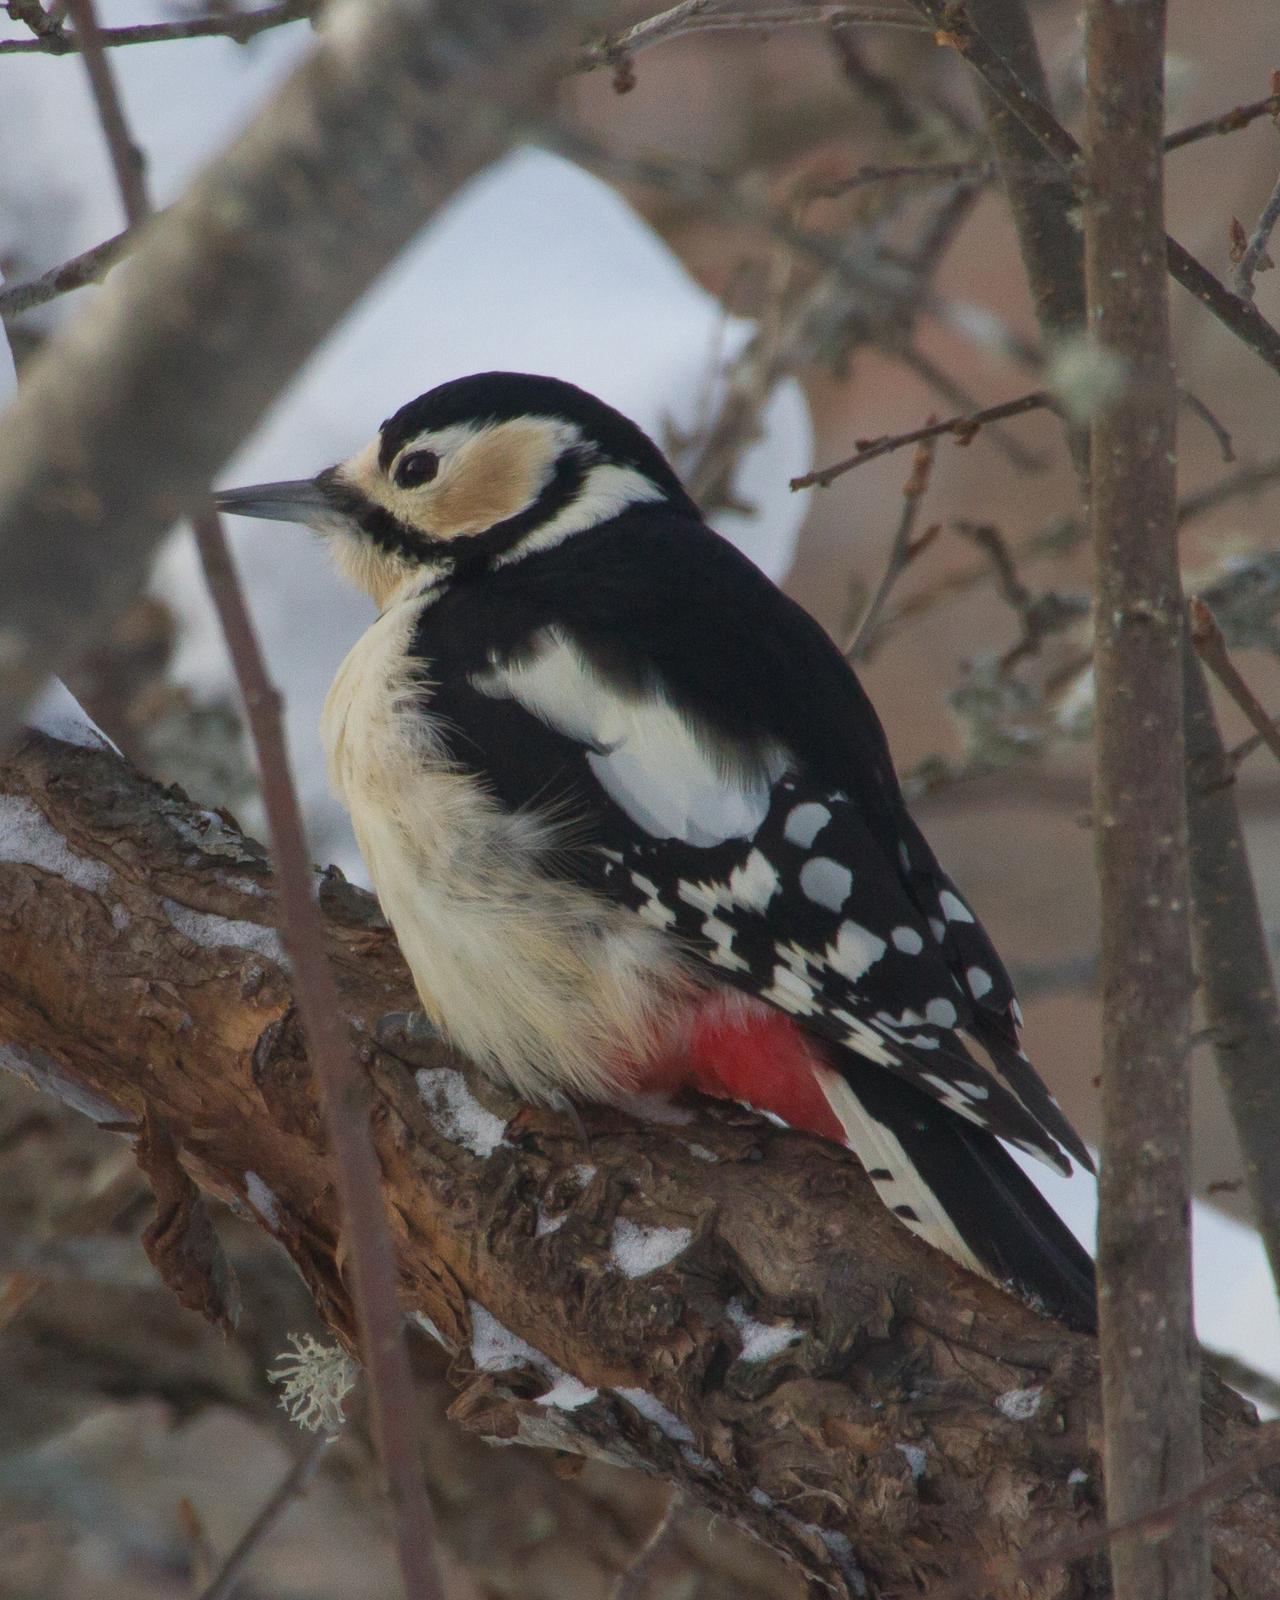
point(409, 1037)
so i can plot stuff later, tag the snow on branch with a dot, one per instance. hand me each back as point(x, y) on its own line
point(791, 1358)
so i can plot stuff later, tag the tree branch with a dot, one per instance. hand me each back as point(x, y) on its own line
point(233, 287)
point(963, 428)
point(1150, 1371)
point(90, 266)
point(240, 26)
point(887, 1360)
point(1236, 314)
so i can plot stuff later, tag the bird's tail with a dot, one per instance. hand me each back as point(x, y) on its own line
point(958, 1187)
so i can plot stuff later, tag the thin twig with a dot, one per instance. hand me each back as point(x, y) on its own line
point(1255, 257)
point(631, 1582)
point(902, 552)
point(706, 16)
point(343, 1087)
point(1062, 535)
point(229, 25)
point(127, 160)
point(91, 266)
point(963, 428)
point(931, 171)
point(291, 1487)
point(1227, 122)
point(1211, 647)
point(1193, 402)
point(1240, 316)
point(960, 399)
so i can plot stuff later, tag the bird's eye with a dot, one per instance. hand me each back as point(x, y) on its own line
point(419, 466)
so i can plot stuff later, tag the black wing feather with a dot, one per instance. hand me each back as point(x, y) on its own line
point(659, 605)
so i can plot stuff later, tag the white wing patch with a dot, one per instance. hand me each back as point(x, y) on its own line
point(646, 755)
point(903, 1190)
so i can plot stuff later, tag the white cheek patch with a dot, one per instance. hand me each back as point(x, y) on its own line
point(646, 756)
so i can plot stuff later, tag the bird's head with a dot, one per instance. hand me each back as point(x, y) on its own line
point(475, 473)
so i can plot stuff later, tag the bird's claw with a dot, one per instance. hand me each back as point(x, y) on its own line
point(409, 1037)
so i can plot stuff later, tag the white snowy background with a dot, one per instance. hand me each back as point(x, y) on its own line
point(535, 266)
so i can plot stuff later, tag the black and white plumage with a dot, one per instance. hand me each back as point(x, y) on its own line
point(606, 777)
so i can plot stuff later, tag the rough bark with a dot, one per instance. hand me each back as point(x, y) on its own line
point(86, 1325)
point(1150, 1360)
point(122, 423)
point(920, 1427)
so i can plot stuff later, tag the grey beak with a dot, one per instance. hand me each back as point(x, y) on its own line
point(304, 500)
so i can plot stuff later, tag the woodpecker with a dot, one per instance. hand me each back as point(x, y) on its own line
point(636, 825)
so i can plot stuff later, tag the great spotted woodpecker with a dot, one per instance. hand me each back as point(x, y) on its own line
point(636, 825)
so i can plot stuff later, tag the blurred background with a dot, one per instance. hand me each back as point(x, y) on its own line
point(709, 252)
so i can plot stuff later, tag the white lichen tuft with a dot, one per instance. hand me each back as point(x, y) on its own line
point(1085, 377)
point(1020, 1405)
point(637, 1251)
point(314, 1381)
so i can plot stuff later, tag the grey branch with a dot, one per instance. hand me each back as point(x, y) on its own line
point(714, 16)
point(122, 422)
point(90, 266)
point(240, 26)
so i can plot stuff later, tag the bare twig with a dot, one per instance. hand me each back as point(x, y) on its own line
point(1211, 647)
point(127, 160)
point(1193, 402)
point(902, 552)
point(1150, 1374)
point(953, 28)
point(343, 1088)
point(91, 266)
point(1041, 203)
point(1227, 122)
point(239, 26)
point(291, 1487)
point(1254, 258)
point(344, 1092)
point(631, 1584)
point(961, 399)
point(714, 16)
point(928, 171)
point(963, 428)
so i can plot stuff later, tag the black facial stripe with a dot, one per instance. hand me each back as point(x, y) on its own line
point(466, 553)
point(386, 531)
